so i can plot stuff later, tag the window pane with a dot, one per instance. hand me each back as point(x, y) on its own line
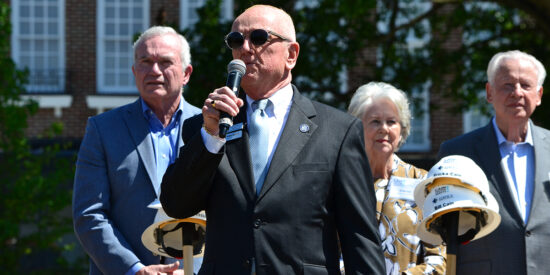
point(39, 62)
point(39, 46)
point(52, 28)
point(52, 46)
point(124, 62)
point(124, 29)
point(52, 12)
point(24, 11)
point(25, 28)
point(124, 79)
point(124, 13)
point(38, 28)
point(137, 12)
point(109, 62)
point(109, 29)
point(52, 63)
point(123, 46)
point(109, 46)
point(109, 13)
point(38, 11)
point(136, 28)
point(110, 79)
point(25, 45)
point(25, 61)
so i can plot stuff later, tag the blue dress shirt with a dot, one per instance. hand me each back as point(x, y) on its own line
point(518, 164)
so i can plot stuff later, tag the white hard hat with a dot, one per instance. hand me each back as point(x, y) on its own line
point(463, 169)
point(456, 183)
point(164, 236)
point(478, 216)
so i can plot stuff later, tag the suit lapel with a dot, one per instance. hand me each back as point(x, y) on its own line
point(238, 155)
point(140, 133)
point(292, 141)
point(541, 144)
point(489, 155)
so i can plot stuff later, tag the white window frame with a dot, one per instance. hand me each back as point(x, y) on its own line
point(424, 129)
point(101, 69)
point(59, 54)
point(186, 6)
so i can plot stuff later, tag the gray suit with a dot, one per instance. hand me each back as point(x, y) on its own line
point(115, 181)
point(319, 183)
point(513, 248)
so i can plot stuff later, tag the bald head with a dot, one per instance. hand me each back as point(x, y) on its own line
point(277, 19)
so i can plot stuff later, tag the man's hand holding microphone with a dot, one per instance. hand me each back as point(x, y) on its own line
point(223, 103)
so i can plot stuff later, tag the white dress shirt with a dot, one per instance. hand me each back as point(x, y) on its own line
point(282, 100)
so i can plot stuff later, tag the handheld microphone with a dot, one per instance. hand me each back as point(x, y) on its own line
point(236, 70)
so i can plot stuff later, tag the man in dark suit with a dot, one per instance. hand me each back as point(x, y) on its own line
point(315, 191)
point(514, 154)
point(124, 154)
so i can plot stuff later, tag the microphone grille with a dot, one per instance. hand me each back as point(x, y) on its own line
point(236, 65)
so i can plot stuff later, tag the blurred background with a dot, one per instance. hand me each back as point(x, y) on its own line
point(62, 61)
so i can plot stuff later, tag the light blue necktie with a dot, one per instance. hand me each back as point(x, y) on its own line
point(259, 136)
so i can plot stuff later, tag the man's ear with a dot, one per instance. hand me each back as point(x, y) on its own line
point(540, 96)
point(293, 52)
point(488, 92)
point(187, 74)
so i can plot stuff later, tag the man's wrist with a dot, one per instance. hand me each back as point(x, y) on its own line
point(216, 135)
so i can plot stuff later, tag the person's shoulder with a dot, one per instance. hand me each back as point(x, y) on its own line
point(191, 109)
point(325, 114)
point(334, 113)
point(115, 115)
point(541, 130)
point(467, 137)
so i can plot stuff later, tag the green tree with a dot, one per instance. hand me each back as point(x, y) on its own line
point(409, 39)
point(34, 183)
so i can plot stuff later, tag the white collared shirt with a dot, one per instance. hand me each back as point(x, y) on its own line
point(518, 164)
point(281, 102)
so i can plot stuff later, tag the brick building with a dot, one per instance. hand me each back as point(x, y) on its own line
point(79, 56)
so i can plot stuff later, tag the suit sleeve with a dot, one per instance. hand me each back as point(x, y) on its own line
point(91, 205)
point(356, 207)
point(187, 182)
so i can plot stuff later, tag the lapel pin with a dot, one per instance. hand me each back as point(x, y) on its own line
point(304, 128)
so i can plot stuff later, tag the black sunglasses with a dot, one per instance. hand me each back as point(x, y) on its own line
point(235, 40)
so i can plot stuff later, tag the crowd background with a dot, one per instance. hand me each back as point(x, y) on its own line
point(414, 45)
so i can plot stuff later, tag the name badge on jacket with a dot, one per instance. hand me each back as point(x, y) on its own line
point(402, 188)
point(234, 132)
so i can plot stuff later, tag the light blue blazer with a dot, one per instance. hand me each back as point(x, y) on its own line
point(114, 182)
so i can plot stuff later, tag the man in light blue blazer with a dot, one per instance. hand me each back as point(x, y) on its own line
point(124, 155)
point(514, 154)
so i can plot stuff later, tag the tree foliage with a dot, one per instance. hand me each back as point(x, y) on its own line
point(412, 41)
point(33, 182)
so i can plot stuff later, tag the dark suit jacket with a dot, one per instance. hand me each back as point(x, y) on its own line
point(114, 182)
point(513, 248)
point(319, 183)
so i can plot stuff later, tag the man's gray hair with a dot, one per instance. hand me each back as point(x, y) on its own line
point(494, 65)
point(185, 54)
point(368, 93)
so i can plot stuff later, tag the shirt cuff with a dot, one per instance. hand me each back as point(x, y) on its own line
point(135, 268)
point(213, 144)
